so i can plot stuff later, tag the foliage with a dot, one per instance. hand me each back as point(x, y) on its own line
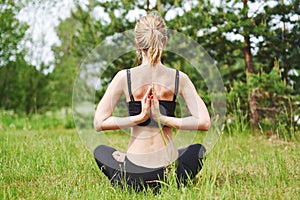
point(22, 86)
point(275, 101)
point(67, 66)
point(11, 32)
point(271, 30)
point(9, 120)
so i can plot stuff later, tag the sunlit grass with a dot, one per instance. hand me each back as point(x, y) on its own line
point(54, 164)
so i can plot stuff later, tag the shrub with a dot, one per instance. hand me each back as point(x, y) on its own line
point(275, 103)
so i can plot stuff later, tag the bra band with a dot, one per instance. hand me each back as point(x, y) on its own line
point(129, 85)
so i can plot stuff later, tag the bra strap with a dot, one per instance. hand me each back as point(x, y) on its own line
point(129, 85)
point(176, 85)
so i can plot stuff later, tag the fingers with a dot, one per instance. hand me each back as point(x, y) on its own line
point(148, 101)
point(149, 90)
point(148, 93)
point(151, 93)
point(154, 98)
point(154, 101)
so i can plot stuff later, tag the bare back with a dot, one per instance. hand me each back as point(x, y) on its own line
point(152, 146)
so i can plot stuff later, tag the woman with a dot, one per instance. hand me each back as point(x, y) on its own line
point(151, 90)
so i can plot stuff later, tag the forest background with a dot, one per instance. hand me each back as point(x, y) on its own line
point(256, 50)
point(254, 44)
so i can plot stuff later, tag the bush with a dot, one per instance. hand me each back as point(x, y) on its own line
point(48, 120)
point(275, 103)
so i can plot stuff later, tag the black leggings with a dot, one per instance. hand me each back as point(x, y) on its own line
point(188, 164)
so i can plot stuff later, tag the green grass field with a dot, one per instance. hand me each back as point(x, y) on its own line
point(54, 164)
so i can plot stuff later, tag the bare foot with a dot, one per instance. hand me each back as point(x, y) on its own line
point(119, 156)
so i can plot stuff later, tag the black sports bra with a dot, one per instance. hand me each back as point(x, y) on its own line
point(166, 107)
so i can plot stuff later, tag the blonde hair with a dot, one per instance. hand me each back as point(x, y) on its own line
point(150, 36)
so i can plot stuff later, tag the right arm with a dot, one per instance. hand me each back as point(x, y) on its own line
point(103, 116)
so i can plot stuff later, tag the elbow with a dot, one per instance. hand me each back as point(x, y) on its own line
point(97, 126)
point(207, 125)
point(204, 125)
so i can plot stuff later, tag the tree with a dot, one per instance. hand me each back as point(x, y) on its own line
point(217, 24)
point(22, 87)
point(11, 33)
point(67, 64)
point(238, 35)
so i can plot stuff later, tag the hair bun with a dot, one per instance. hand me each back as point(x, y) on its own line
point(151, 44)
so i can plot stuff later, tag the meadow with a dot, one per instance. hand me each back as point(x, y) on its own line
point(54, 164)
point(49, 70)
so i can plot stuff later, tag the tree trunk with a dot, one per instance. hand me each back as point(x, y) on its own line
point(147, 6)
point(254, 116)
point(248, 55)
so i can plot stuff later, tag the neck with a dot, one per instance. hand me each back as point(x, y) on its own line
point(146, 61)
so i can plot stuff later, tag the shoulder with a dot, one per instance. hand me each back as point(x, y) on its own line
point(185, 83)
point(120, 75)
point(118, 83)
point(169, 70)
point(183, 77)
point(119, 79)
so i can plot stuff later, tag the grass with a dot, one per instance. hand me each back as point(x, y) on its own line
point(54, 164)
